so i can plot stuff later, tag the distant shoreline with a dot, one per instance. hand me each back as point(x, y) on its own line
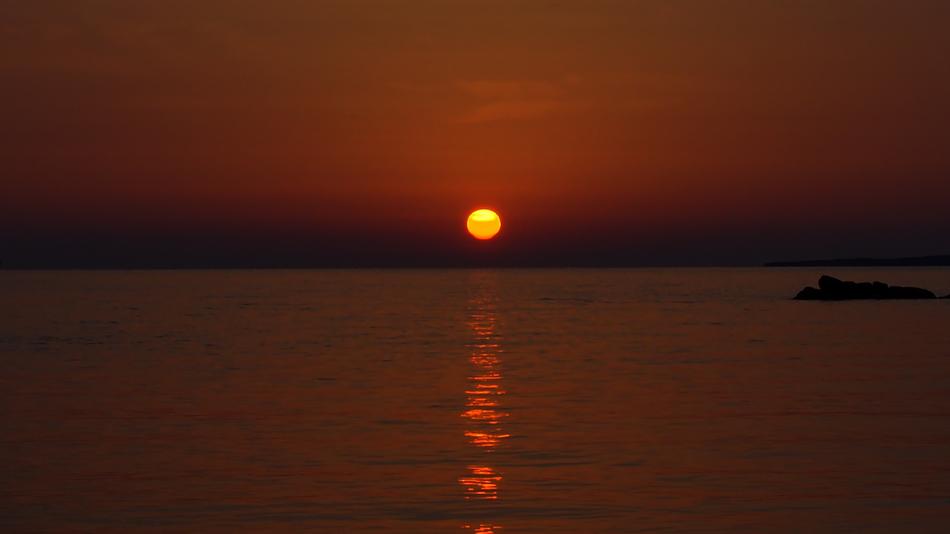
point(918, 261)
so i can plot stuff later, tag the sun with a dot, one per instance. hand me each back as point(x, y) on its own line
point(483, 224)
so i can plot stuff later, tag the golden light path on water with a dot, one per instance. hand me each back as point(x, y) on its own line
point(484, 409)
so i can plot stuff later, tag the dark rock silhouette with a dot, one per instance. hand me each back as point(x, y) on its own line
point(830, 288)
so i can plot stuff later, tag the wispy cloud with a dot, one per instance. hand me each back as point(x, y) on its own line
point(500, 100)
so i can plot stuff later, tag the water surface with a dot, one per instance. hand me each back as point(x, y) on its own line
point(481, 401)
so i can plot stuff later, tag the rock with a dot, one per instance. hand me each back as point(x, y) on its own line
point(898, 292)
point(831, 288)
point(830, 283)
point(809, 293)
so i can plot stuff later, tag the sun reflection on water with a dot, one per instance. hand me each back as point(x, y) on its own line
point(483, 407)
point(484, 529)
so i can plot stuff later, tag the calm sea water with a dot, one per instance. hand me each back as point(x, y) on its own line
point(471, 401)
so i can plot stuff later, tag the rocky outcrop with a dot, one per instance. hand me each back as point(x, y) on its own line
point(830, 288)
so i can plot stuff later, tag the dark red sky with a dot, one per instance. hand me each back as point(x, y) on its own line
point(345, 132)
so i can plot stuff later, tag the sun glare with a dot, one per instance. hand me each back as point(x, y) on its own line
point(483, 224)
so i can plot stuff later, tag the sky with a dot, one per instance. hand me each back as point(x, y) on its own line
point(304, 133)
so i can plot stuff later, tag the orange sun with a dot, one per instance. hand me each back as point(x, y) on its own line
point(483, 224)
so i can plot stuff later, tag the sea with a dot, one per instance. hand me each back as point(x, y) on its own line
point(471, 401)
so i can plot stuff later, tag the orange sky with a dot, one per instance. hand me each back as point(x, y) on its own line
point(600, 124)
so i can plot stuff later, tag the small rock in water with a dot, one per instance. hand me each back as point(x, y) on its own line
point(831, 288)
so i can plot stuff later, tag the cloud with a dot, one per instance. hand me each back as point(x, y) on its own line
point(512, 110)
point(501, 100)
point(508, 89)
